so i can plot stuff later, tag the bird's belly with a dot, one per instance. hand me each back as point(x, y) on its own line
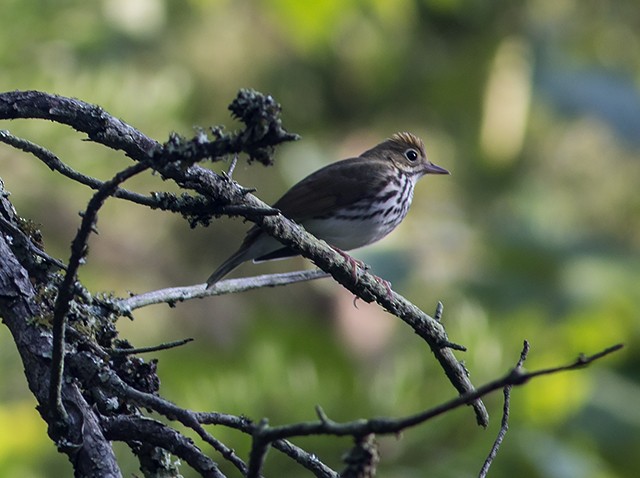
point(348, 234)
point(367, 220)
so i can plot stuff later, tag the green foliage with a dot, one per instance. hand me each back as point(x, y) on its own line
point(534, 238)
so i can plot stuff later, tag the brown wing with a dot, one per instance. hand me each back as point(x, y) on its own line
point(331, 187)
point(336, 185)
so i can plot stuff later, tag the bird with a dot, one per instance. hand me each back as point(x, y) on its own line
point(348, 204)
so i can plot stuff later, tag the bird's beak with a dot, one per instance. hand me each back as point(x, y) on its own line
point(431, 168)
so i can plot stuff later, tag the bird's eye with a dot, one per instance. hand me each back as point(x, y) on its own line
point(411, 155)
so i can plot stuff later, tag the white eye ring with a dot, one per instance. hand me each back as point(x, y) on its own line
point(411, 155)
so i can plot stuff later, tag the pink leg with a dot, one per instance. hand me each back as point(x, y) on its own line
point(385, 283)
point(355, 263)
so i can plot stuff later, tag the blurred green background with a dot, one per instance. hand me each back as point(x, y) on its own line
point(534, 106)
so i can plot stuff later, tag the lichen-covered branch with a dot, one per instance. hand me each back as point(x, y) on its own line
point(99, 389)
point(22, 309)
point(79, 247)
point(223, 192)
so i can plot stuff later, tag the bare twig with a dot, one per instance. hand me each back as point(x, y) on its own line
point(439, 310)
point(154, 200)
point(153, 348)
point(232, 166)
point(326, 426)
point(15, 232)
point(229, 286)
point(504, 425)
point(305, 459)
point(55, 164)
point(114, 385)
point(243, 424)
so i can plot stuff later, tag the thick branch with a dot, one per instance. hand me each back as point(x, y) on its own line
point(21, 310)
point(94, 372)
point(263, 132)
point(148, 431)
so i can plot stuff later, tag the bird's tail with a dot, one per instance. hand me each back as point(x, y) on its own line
point(227, 266)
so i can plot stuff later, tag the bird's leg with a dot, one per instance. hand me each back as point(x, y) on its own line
point(385, 283)
point(354, 263)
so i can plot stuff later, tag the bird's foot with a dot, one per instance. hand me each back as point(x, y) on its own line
point(354, 263)
point(386, 284)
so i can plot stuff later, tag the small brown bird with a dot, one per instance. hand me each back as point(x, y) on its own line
point(348, 204)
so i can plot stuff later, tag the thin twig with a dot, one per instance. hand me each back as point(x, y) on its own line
point(115, 386)
point(229, 286)
point(16, 233)
point(504, 425)
point(326, 426)
point(391, 426)
point(66, 290)
point(437, 316)
point(142, 429)
point(153, 201)
point(243, 424)
point(308, 460)
point(232, 166)
point(55, 164)
point(153, 348)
